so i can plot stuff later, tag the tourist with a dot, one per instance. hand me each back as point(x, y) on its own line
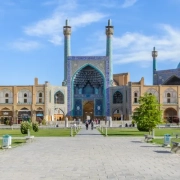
point(87, 123)
point(92, 125)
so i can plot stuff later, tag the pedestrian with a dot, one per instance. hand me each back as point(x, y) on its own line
point(92, 125)
point(86, 123)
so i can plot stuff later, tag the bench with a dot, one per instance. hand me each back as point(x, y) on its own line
point(29, 138)
point(177, 135)
point(175, 147)
point(148, 138)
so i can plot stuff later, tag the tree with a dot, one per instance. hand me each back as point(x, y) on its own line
point(148, 115)
point(25, 125)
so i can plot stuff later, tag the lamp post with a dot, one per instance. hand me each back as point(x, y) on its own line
point(34, 113)
point(56, 108)
point(17, 116)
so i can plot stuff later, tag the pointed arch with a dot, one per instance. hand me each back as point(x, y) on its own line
point(170, 114)
point(88, 81)
point(5, 109)
point(40, 97)
point(59, 97)
point(154, 92)
point(173, 80)
point(136, 96)
point(6, 96)
point(24, 96)
point(117, 97)
point(170, 96)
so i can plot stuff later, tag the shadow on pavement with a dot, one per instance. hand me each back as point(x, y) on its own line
point(136, 141)
point(151, 146)
point(164, 152)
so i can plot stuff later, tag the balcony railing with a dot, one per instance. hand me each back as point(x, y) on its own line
point(166, 103)
point(24, 103)
point(6, 103)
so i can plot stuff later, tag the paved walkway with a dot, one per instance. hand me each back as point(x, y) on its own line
point(89, 156)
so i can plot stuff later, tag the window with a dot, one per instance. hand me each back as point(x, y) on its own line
point(40, 94)
point(117, 111)
point(117, 97)
point(6, 100)
point(168, 98)
point(25, 95)
point(135, 97)
point(40, 100)
point(25, 100)
point(59, 98)
point(6, 95)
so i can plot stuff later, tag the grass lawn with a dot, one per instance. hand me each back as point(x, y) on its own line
point(15, 142)
point(135, 132)
point(161, 141)
point(41, 133)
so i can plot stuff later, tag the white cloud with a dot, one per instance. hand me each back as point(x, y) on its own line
point(51, 27)
point(128, 3)
point(137, 47)
point(23, 45)
point(134, 47)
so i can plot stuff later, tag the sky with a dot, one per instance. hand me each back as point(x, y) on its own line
point(31, 37)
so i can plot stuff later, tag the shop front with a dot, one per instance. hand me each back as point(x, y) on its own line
point(39, 116)
point(5, 116)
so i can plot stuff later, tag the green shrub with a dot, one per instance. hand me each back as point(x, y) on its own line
point(35, 127)
point(7, 122)
point(11, 122)
point(25, 125)
point(133, 122)
point(43, 122)
point(142, 127)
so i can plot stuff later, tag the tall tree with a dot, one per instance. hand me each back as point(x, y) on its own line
point(148, 115)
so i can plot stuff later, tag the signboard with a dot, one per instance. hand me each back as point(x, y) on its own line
point(5, 113)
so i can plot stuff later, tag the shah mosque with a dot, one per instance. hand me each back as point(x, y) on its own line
point(90, 90)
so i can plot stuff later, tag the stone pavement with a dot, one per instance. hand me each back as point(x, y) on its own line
point(89, 156)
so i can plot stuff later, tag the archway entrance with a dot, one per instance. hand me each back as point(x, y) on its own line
point(6, 115)
point(171, 115)
point(88, 110)
point(88, 93)
point(117, 115)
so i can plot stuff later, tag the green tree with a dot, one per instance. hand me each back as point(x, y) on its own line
point(25, 125)
point(148, 115)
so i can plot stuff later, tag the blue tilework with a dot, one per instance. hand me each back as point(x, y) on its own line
point(162, 76)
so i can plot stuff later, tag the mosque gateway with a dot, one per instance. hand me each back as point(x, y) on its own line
point(90, 90)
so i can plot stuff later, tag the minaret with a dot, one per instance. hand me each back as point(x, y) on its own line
point(109, 34)
point(154, 55)
point(67, 49)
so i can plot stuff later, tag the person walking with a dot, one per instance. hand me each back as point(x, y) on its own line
point(92, 125)
point(86, 123)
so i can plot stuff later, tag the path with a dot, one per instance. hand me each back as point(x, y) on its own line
point(88, 156)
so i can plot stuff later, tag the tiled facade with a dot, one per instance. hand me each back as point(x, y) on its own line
point(118, 99)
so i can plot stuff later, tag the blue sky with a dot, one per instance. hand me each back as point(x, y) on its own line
point(31, 38)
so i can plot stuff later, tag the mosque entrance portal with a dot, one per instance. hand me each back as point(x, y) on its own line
point(88, 110)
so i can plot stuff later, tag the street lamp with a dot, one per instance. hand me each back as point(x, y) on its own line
point(56, 97)
point(17, 116)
